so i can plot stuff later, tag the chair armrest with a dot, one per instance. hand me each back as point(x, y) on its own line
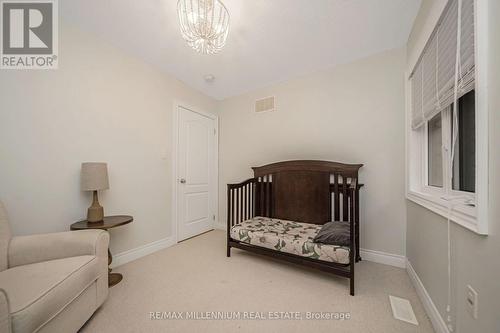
point(4, 312)
point(24, 250)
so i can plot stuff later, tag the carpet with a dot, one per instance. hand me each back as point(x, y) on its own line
point(190, 286)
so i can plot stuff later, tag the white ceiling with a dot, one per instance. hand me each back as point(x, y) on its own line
point(269, 40)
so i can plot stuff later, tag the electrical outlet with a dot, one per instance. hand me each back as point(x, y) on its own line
point(472, 301)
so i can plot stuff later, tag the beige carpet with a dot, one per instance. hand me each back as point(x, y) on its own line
point(196, 276)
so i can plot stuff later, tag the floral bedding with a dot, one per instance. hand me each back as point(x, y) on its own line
point(288, 236)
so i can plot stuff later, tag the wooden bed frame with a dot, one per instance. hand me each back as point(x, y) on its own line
point(303, 191)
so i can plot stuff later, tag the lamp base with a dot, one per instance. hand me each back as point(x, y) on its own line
point(95, 212)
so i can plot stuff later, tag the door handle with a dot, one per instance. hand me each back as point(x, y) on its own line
point(183, 181)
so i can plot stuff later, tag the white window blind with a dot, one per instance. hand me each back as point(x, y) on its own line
point(467, 74)
point(447, 55)
point(433, 79)
point(417, 113)
point(430, 69)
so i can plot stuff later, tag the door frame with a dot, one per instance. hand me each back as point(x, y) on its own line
point(175, 151)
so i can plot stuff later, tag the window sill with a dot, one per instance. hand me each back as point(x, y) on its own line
point(465, 216)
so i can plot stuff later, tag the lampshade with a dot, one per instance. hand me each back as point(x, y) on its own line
point(94, 176)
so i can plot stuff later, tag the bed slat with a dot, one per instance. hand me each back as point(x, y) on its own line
point(336, 196)
point(345, 198)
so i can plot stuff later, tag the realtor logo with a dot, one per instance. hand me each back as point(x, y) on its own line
point(29, 34)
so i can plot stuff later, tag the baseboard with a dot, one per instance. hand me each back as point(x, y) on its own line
point(383, 258)
point(141, 251)
point(437, 321)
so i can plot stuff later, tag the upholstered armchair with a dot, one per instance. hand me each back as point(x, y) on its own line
point(51, 282)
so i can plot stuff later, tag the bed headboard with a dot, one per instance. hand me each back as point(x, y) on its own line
point(304, 190)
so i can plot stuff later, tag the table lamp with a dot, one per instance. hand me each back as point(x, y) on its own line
point(95, 178)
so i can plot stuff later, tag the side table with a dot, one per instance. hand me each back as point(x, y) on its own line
point(107, 223)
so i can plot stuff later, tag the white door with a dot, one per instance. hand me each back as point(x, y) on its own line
point(196, 173)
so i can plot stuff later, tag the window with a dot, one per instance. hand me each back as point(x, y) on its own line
point(446, 162)
point(439, 140)
point(464, 160)
point(435, 151)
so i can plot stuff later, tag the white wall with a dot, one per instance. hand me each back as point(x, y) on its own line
point(100, 105)
point(352, 113)
point(475, 258)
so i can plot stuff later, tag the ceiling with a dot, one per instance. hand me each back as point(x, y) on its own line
point(269, 40)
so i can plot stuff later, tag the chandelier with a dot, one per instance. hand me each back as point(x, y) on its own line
point(204, 24)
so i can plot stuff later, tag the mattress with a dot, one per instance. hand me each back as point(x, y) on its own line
point(288, 236)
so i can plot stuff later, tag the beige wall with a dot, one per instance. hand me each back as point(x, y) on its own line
point(475, 258)
point(100, 105)
point(352, 113)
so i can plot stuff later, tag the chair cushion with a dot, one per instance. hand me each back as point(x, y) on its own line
point(37, 292)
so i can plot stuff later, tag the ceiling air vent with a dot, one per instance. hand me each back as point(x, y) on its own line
point(265, 104)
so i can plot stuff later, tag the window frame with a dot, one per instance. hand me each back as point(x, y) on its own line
point(474, 218)
point(436, 193)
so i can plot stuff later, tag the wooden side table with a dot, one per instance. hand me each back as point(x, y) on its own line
point(108, 222)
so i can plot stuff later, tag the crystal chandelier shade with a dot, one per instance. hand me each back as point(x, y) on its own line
point(204, 24)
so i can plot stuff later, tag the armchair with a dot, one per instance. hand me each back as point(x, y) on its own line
point(51, 282)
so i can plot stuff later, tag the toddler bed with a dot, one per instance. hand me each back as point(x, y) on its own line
point(280, 211)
